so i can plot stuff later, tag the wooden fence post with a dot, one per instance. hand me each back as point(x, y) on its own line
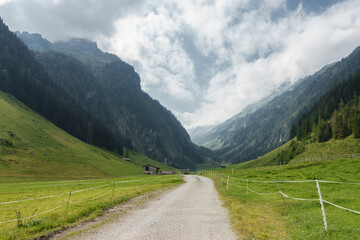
point(227, 184)
point(322, 205)
point(279, 192)
point(67, 204)
point(247, 187)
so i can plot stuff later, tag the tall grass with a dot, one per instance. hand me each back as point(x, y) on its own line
point(87, 199)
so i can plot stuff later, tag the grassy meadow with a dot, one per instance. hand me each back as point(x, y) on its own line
point(273, 216)
point(48, 202)
point(314, 151)
point(32, 148)
point(41, 164)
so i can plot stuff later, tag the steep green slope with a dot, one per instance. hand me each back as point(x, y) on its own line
point(110, 89)
point(33, 148)
point(266, 125)
point(23, 76)
point(337, 136)
point(336, 114)
point(333, 149)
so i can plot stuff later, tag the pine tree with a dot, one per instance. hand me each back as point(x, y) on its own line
point(356, 125)
point(90, 133)
point(4, 80)
point(322, 131)
point(339, 128)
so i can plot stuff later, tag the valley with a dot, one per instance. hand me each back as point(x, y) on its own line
point(78, 129)
point(32, 148)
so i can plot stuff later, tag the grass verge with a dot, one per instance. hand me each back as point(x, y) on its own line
point(87, 200)
point(272, 216)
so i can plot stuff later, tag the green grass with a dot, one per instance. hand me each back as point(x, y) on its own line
point(313, 151)
point(32, 148)
point(37, 159)
point(102, 194)
point(272, 217)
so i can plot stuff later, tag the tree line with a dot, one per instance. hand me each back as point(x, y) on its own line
point(23, 77)
point(336, 115)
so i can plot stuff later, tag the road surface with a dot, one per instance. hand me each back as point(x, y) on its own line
point(190, 211)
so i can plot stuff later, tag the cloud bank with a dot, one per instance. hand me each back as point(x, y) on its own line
point(204, 60)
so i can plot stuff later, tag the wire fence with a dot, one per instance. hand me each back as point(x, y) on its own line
point(330, 157)
point(226, 179)
point(325, 157)
point(158, 179)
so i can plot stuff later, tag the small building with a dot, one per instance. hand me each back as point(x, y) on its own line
point(222, 165)
point(167, 172)
point(127, 159)
point(150, 169)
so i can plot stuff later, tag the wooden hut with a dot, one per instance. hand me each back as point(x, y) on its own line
point(150, 169)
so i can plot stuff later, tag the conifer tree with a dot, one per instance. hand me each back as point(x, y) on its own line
point(356, 125)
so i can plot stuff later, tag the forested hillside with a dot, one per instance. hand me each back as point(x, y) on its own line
point(330, 127)
point(110, 89)
point(268, 124)
point(22, 76)
point(336, 115)
point(32, 148)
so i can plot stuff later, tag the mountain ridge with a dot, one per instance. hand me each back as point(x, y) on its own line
point(248, 136)
point(152, 129)
point(31, 147)
point(24, 77)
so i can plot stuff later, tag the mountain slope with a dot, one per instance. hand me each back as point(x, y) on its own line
point(22, 76)
point(110, 89)
point(333, 135)
point(268, 124)
point(31, 148)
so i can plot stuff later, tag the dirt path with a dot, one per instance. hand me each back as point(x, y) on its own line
point(191, 211)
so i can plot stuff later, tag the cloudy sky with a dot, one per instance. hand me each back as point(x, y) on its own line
point(204, 60)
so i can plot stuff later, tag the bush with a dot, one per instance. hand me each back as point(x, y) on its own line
point(6, 142)
point(289, 153)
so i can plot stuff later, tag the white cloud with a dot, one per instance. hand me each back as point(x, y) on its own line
point(4, 2)
point(204, 60)
point(285, 50)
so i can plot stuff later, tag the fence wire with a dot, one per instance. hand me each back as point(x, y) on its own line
point(283, 194)
point(83, 190)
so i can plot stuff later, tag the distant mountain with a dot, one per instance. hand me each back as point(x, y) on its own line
point(110, 89)
point(330, 130)
point(24, 77)
point(198, 133)
point(263, 126)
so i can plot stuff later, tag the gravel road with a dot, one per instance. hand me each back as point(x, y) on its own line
point(191, 211)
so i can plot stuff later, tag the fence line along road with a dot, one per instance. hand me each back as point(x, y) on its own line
point(82, 190)
point(34, 215)
point(321, 200)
